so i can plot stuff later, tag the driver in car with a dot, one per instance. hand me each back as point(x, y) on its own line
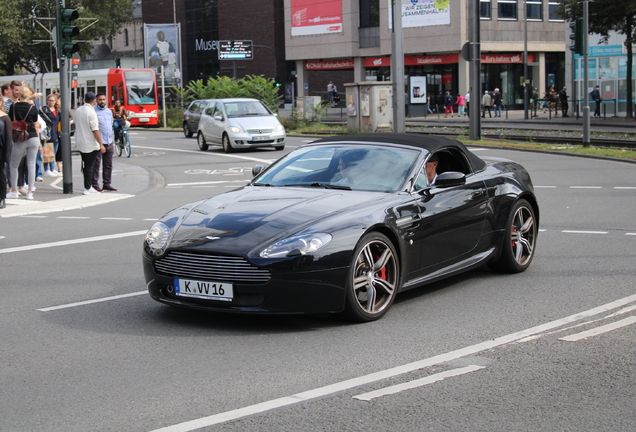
point(431, 169)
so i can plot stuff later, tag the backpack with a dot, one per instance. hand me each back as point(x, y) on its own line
point(20, 132)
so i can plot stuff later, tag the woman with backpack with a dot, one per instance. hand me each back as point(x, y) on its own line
point(23, 110)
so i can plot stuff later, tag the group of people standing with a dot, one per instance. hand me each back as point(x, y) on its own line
point(21, 150)
point(491, 99)
point(21, 153)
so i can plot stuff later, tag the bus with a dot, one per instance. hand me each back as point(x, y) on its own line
point(136, 88)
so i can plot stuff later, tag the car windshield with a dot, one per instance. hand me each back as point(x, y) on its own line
point(347, 167)
point(246, 109)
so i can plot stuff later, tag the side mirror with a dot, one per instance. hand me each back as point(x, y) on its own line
point(218, 117)
point(257, 170)
point(449, 179)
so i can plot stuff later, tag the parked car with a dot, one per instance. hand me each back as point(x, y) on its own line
point(239, 123)
point(192, 115)
point(345, 224)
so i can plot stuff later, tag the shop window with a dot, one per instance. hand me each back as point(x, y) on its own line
point(485, 9)
point(507, 9)
point(534, 10)
point(553, 7)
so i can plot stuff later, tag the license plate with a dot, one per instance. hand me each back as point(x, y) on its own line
point(144, 120)
point(260, 138)
point(221, 291)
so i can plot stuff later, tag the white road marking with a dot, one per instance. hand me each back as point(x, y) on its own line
point(209, 154)
point(586, 187)
point(599, 330)
point(583, 232)
point(116, 218)
point(626, 187)
point(418, 382)
point(388, 373)
point(545, 187)
point(87, 302)
point(71, 242)
point(634, 234)
point(35, 216)
point(73, 217)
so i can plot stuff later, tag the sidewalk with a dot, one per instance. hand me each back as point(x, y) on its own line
point(49, 195)
point(509, 120)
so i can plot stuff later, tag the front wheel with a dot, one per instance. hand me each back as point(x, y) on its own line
point(118, 147)
point(127, 145)
point(519, 241)
point(203, 146)
point(227, 147)
point(374, 279)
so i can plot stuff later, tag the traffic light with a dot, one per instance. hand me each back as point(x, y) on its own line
point(577, 37)
point(277, 82)
point(66, 32)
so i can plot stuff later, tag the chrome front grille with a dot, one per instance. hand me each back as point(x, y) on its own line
point(188, 265)
point(260, 131)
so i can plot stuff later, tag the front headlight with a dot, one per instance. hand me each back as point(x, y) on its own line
point(297, 245)
point(235, 129)
point(279, 128)
point(157, 238)
point(131, 114)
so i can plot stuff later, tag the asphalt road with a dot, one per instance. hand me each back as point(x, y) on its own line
point(83, 348)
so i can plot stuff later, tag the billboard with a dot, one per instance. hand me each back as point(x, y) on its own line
point(423, 13)
point(311, 17)
point(162, 47)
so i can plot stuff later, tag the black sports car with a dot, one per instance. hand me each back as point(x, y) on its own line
point(342, 225)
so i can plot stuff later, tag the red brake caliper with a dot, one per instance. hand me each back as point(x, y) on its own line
point(382, 272)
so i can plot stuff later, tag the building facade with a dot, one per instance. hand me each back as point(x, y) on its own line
point(350, 41)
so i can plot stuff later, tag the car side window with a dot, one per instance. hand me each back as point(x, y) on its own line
point(422, 179)
point(218, 109)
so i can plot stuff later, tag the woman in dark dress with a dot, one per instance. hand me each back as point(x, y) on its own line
point(6, 145)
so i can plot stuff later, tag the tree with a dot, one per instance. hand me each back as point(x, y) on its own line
point(604, 17)
point(23, 23)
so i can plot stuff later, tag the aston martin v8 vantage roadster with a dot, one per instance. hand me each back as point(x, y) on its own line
point(344, 224)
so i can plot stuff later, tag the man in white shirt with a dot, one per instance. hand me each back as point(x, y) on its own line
point(88, 140)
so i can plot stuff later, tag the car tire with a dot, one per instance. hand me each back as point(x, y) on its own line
point(203, 146)
point(186, 131)
point(519, 241)
point(227, 147)
point(373, 280)
point(279, 147)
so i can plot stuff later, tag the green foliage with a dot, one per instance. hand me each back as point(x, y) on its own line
point(174, 117)
point(252, 86)
point(24, 26)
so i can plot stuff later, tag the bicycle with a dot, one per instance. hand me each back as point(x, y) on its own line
point(123, 143)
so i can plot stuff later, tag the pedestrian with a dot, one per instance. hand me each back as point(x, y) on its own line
point(486, 102)
point(468, 103)
point(448, 104)
point(596, 97)
point(24, 110)
point(461, 105)
point(52, 112)
point(563, 97)
point(497, 102)
point(428, 104)
point(331, 90)
point(88, 139)
point(12, 96)
point(6, 145)
point(105, 160)
point(552, 98)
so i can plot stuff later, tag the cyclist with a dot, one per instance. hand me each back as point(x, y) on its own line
point(119, 118)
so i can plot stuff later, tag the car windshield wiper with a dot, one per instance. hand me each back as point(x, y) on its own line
point(262, 184)
point(326, 186)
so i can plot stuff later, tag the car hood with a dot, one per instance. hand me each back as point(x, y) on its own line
point(238, 221)
point(256, 122)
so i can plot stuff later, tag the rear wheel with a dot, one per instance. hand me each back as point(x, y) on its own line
point(118, 147)
point(203, 146)
point(520, 239)
point(227, 147)
point(373, 280)
point(126, 144)
point(186, 130)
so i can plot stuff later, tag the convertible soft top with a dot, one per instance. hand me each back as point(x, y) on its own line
point(430, 143)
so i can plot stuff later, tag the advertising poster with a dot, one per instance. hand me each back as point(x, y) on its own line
point(311, 17)
point(163, 48)
point(417, 88)
point(423, 13)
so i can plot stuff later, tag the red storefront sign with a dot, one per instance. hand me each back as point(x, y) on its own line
point(506, 58)
point(328, 65)
point(412, 60)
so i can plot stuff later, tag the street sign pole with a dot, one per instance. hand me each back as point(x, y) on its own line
point(586, 92)
point(65, 137)
point(474, 74)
